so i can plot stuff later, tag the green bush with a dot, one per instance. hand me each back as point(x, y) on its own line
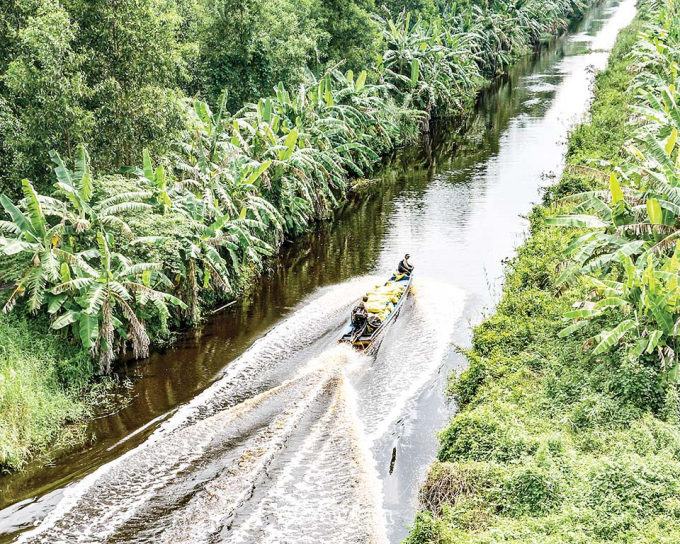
point(531, 490)
point(465, 386)
point(429, 529)
point(485, 433)
point(628, 490)
point(41, 377)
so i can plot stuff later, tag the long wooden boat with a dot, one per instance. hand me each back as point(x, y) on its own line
point(363, 341)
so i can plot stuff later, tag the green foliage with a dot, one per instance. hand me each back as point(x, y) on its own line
point(45, 89)
point(101, 294)
point(106, 73)
point(134, 65)
point(115, 75)
point(429, 529)
point(671, 409)
point(426, 9)
point(248, 46)
point(40, 381)
point(428, 66)
point(465, 386)
point(532, 490)
point(602, 138)
point(630, 261)
point(350, 33)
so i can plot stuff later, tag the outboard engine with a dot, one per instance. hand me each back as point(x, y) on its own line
point(359, 317)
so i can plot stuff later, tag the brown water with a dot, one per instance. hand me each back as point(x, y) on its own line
point(260, 428)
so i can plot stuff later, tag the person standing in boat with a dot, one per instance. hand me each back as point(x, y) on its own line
point(404, 266)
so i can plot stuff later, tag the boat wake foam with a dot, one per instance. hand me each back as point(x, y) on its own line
point(290, 463)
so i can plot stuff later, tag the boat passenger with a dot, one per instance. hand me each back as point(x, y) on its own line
point(373, 322)
point(359, 314)
point(405, 267)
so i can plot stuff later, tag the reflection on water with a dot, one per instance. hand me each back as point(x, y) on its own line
point(293, 437)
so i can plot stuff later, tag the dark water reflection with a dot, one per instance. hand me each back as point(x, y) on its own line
point(454, 203)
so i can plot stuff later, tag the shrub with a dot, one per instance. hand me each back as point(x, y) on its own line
point(40, 378)
point(531, 490)
point(485, 433)
point(429, 529)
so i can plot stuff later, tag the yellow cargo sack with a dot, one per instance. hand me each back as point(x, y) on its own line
point(392, 292)
point(375, 307)
point(381, 296)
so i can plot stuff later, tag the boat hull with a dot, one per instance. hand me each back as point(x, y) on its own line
point(372, 340)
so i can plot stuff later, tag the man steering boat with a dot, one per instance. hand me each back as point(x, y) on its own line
point(405, 267)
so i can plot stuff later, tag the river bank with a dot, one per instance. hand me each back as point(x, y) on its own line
point(551, 443)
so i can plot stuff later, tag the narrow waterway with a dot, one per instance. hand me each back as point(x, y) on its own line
point(261, 428)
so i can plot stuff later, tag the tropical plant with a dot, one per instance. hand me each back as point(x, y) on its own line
point(647, 299)
point(429, 66)
point(82, 213)
point(629, 252)
point(30, 233)
point(109, 302)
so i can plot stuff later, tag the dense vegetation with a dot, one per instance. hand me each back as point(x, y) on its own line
point(116, 74)
point(36, 387)
point(569, 423)
point(194, 179)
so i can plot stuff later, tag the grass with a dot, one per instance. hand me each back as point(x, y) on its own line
point(42, 379)
point(553, 445)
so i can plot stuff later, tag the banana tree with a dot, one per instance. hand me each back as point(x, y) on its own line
point(29, 232)
point(155, 180)
point(205, 266)
point(82, 213)
point(378, 131)
point(209, 148)
point(107, 303)
point(426, 65)
point(623, 223)
point(647, 299)
point(662, 112)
